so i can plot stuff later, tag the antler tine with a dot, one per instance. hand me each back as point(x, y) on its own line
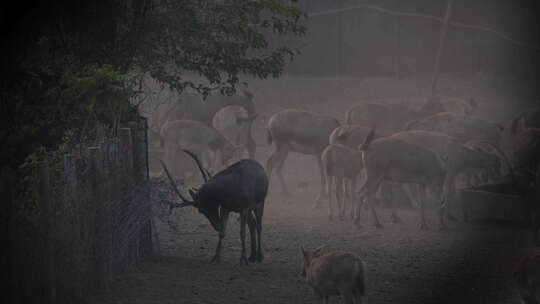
point(208, 174)
point(175, 188)
point(201, 168)
point(502, 155)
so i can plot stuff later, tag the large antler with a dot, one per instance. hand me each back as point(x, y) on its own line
point(205, 174)
point(186, 202)
point(502, 155)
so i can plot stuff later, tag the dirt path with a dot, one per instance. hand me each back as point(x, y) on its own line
point(469, 263)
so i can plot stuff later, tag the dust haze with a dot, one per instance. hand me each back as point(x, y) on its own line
point(351, 57)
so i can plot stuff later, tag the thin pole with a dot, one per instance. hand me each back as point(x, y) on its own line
point(339, 43)
point(442, 39)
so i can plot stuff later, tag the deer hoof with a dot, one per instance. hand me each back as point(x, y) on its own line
point(378, 226)
point(252, 258)
point(215, 260)
point(243, 261)
point(260, 257)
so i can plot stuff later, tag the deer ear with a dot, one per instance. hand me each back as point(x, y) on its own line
point(318, 250)
point(193, 194)
point(304, 253)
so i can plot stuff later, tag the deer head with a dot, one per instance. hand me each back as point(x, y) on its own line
point(202, 198)
point(308, 256)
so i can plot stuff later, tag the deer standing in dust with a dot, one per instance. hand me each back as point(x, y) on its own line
point(192, 107)
point(241, 188)
point(342, 166)
point(235, 123)
point(212, 147)
point(459, 158)
point(392, 159)
point(302, 132)
point(335, 273)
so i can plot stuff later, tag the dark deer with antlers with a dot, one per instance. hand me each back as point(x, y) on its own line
point(241, 188)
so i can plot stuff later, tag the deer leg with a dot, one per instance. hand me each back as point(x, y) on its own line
point(370, 193)
point(422, 192)
point(359, 201)
point(412, 198)
point(346, 197)
point(322, 195)
point(259, 211)
point(224, 218)
point(452, 196)
point(243, 218)
point(281, 163)
point(329, 190)
point(276, 160)
point(351, 194)
point(444, 201)
point(252, 222)
point(251, 146)
point(395, 218)
point(339, 197)
point(387, 194)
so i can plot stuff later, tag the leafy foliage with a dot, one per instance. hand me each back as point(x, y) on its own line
point(71, 64)
point(218, 40)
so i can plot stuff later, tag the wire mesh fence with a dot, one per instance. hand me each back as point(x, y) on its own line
point(93, 224)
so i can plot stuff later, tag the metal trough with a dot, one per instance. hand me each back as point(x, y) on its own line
point(495, 202)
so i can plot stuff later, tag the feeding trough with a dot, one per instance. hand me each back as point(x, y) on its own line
point(496, 201)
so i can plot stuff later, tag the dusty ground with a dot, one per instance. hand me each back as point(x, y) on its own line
point(468, 263)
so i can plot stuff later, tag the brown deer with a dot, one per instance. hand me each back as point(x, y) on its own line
point(234, 123)
point(302, 132)
point(395, 160)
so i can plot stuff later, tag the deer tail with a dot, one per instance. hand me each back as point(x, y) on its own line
point(269, 137)
point(369, 139)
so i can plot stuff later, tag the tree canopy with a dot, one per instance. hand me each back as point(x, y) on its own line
point(59, 56)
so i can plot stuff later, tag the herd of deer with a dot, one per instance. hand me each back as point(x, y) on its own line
point(423, 149)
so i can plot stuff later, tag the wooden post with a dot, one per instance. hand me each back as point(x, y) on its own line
point(442, 39)
point(45, 213)
point(96, 179)
point(126, 152)
point(397, 47)
point(104, 173)
point(7, 193)
point(71, 225)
